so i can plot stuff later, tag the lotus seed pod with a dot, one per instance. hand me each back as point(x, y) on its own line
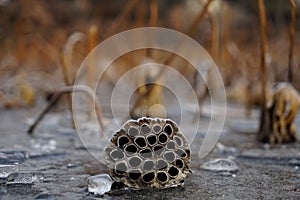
point(148, 153)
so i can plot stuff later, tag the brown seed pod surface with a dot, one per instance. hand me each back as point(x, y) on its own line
point(148, 153)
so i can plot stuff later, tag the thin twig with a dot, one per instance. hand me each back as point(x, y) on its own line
point(263, 46)
point(292, 39)
point(68, 90)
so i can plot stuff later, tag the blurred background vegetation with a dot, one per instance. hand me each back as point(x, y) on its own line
point(34, 32)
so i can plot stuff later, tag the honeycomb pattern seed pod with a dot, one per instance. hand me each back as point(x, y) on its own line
point(148, 153)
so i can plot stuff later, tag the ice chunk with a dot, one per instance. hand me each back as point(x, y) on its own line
point(220, 165)
point(23, 178)
point(6, 170)
point(99, 184)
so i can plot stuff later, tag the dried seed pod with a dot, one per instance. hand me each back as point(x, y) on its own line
point(147, 153)
point(121, 168)
point(161, 164)
point(122, 141)
point(163, 138)
point(140, 142)
point(135, 174)
point(145, 129)
point(134, 161)
point(171, 145)
point(117, 154)
point(148, 177)
point(178, 141)
point(131, 149)
point(162, 177)
point(169, 156)
point(133, 131)
point(151, 139)
point(173, 171)
point(158, 150)
point(156, 128)
point(148, 165)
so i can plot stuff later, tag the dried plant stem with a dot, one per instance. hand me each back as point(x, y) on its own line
point(263, 46)
point(153, 20)
point(215, 35)
point(193, 27)
point(190, 32)
point(123, 15)
point(90, 78)
point(292, 39)
point(66, 64)
point(67, 81)
point(68, 90)
point(153, 13)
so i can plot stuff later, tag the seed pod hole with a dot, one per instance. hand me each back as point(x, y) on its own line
point(148, 165)
point(162, 138)
point(171, 145)
point(152, 139)
point(145, 129)
point(181, 153)
point(120, 168)
point(131, 149)
point(149, 177)
point(117, 154)
point(173, 171)
point(178, 141)
point(158, 150)
point(162, 177)
point(168, 129)
point(122, 141)
point(133, 131)
point(156, 128)
point(134, 175)
point(140, 142)
point(134, 161)
point(146, 153)
point(161, 164)
point(169, 156)
point(179, 163)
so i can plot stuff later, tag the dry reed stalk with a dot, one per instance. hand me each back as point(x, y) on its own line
point(263, 46)
point(140, 14)
point(68, 90)
point(90, 78)
point(153, 20)
point(193, 27)
point(190, 32)
point(292, 40)
point(215, 41)
point(66, 64)
point(153, 13)
point(123, 15)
